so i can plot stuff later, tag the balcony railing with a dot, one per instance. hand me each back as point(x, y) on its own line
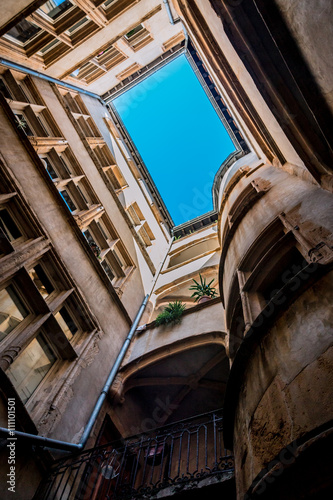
point(187, 451)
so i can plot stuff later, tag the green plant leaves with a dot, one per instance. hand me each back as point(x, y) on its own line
point(202, 289)
point(172, 313)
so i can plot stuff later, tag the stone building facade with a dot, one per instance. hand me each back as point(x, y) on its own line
point(85, 237)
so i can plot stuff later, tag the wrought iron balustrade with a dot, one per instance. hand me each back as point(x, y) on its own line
point(175, 454)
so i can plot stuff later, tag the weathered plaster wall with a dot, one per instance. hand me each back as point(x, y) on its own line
point(209, 319)
point(133, 192)
point(237, 65)
point(310, 22)
point(94, 364)
point(286, 191)
point(131, 300)
point(286, 385)
point(10, 9)
point(287, 388)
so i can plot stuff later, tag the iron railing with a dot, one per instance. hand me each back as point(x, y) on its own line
point(175, 454)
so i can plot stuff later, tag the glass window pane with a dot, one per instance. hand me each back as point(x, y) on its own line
point(23, 31)
point(119, 258)
point(29, 369)
point(12, 311)
point(23, 124)
point(55, 8)
point(41, 280)
point(89, 237)
point(66, 323)
point(78, 25)
point(102, 230)
point(50, 46)
point(82, 194)
point(107, 270)
point(68, 200)
point(4, 89)
point(65, 166)
point(8, 226)
point(108, 2)
point(134, 31)
point(49, 168)
point(93, 245)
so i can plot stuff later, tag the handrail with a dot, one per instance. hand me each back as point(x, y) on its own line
point(184, 451)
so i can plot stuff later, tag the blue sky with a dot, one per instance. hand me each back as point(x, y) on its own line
point(179, 136)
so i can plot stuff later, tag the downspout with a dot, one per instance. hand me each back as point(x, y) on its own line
point(64, 445)
point(168, 9)
point(38, 74)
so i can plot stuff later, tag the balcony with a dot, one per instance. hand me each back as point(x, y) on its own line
point(187, 455)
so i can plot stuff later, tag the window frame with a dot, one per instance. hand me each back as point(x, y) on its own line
point(27, 319)
point(58, 360)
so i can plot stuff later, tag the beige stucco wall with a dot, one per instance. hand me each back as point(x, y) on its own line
point(287, 388)
point(310, 22)
point(285, 193)
point(196, 324)
point(158, 24)
point(10, 9)
point(94, 364)
point(216, 28)
point(131, 299)
point(286, 382)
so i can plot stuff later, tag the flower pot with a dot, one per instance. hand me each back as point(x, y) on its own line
point(204, 298)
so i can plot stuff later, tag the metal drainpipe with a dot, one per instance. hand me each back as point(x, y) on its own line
point(64, 445)
point(171, 19)
point(20, 67)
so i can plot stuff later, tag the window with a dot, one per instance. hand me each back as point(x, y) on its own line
point(42, 282)
point(135, 214)
point(108, 270)
point(146, 234)
point(138, 37)
point(45, 127)
point(134, 31)
point(68, 200)
point(49, 46)
point(49, 168)
point(108, 2)
point(92, 243)
point(26, 92)
point(24, 125)
point(30, 368)
point(23, 31)
point(12, 311)
point(82, 194)
point(4, 89)
point(286, 265)
point(102, 230)
point(119, 258)
point(77, 25)
point(66, 322)
point(8, 225)
point(66, 167)
point(56, 8)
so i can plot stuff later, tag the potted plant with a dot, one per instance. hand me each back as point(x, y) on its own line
point(171, 314)
point(202, 291)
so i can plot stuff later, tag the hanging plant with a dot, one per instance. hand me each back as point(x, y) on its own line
point(171, 314)
point(203, 290)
